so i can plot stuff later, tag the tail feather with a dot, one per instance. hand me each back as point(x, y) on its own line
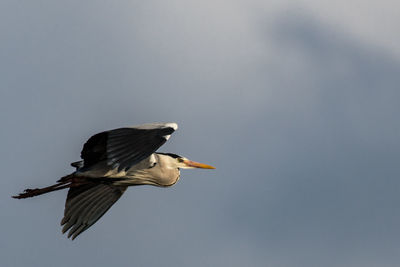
point(64, 182)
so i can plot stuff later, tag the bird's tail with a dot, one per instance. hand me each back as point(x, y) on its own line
point(64, 182)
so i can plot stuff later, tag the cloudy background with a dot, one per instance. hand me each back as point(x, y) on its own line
point(296, 104)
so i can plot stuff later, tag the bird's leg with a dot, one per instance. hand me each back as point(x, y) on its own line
point(39, 191)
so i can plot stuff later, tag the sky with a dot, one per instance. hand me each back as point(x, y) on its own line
point(294, 103)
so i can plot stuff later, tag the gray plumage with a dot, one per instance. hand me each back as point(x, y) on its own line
point(112, 161)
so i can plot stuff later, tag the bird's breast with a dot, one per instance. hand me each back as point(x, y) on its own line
point(156, 176)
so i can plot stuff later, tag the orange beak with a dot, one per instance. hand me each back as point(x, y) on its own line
point(194, 164)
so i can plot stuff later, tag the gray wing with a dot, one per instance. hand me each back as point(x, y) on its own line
point(124, 147)
point(86, 204)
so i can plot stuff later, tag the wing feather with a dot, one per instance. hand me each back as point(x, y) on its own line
point(86, 204)
point(124, 147)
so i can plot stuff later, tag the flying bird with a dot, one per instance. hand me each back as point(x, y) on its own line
point(112, 161)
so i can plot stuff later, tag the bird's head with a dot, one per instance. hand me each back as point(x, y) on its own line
point(184, 163)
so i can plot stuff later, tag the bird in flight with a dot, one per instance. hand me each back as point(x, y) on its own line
point(112, 161)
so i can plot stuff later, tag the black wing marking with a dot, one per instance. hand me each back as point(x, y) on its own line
point(86, 204)
point(95, 149)
point(125, 147)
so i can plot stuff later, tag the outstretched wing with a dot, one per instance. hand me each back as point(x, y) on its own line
point(86, 204)
point(124, 147)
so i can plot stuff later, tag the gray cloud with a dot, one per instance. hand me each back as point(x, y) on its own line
point(300, 120)
point(326, 188)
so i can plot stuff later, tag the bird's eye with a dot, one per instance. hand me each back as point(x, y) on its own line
point(154, 164)
point(180, 159)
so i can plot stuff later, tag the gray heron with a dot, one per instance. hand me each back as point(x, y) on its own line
point(112, 161)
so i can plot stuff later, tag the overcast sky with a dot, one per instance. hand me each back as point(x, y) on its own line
point(297, 105)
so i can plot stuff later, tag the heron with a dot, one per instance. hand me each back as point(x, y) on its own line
point(111, 162)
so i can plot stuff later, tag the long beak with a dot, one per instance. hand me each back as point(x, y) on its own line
point(194, 164)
